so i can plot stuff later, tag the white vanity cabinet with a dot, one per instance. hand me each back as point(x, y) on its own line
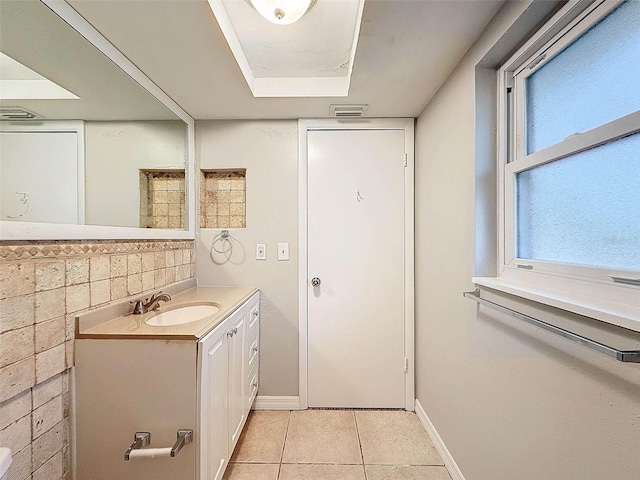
point(128, 382)
point(225, 358)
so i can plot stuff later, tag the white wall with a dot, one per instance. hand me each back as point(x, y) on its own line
point(269, 152)
point(115, 152)
point(510, 401)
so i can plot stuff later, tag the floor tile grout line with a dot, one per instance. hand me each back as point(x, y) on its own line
point(320, 463)
point(284, 444)
point(355, 420)
point(286, 434)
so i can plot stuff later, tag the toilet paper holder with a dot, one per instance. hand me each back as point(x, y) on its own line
point(143, 439)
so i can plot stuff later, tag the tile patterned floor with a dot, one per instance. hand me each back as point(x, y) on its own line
point(335, 445)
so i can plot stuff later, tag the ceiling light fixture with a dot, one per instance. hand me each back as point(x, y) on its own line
point(282, 12)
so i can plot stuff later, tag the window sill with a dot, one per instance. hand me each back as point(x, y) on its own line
point(622, 315)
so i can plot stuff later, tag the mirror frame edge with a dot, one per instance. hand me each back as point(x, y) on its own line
point(14, 231)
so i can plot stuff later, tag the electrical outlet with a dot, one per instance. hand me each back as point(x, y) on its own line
point(283, 251)
point(261, 251)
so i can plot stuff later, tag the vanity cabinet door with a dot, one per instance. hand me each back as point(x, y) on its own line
point(214, 402)
point(237, 411)
point(224, 369)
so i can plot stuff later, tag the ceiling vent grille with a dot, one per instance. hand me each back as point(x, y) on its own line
point(17, 113)
point(348, 111)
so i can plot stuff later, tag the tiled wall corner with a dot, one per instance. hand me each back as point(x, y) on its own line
point(143, 181)
point(43, 286)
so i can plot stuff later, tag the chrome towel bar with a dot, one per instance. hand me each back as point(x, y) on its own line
point(630, 356)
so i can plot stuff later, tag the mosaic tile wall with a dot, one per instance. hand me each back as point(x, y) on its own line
point(43, 286)
point(222, 199)
point(162, 200)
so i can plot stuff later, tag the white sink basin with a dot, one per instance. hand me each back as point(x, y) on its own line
point(182, 315)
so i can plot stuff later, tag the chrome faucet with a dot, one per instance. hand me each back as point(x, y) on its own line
point(149, 304)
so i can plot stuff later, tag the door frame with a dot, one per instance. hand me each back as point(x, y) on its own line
point(406, 124)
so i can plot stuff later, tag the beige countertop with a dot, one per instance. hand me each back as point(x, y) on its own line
point(114, 322)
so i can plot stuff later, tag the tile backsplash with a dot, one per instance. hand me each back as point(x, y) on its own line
point(43, 286)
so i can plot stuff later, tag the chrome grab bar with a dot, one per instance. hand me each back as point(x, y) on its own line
point(143, 439)
point(629, 356)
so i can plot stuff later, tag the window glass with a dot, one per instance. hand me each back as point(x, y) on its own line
point(583, 209)
point(593, 81)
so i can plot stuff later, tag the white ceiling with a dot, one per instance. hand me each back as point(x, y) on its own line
point(406, 50)
point(34, 36)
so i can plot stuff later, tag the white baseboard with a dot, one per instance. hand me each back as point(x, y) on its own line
point(276, 403)
point(447, 458)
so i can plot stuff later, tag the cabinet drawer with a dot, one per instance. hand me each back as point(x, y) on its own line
point(252, 386)
point(253, 349)
point(254, 318)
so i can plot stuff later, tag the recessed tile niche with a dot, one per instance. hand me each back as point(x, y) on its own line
point(222, 198)
point(162, 199)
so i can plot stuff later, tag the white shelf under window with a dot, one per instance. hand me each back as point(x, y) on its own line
point(622, 315)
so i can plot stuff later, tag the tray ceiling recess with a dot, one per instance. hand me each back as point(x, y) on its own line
point(19, 82)
point(312, 57)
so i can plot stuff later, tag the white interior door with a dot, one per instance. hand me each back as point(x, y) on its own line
point(356, 327)
point(40, 177)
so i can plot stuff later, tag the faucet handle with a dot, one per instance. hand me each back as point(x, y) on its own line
point(154, 296)
point(138, 307)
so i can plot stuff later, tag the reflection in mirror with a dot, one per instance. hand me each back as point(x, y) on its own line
point(117, 154)
point(80, 141)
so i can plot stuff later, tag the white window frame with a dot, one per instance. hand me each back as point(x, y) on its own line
point(586, 290)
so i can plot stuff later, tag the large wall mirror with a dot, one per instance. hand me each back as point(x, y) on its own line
point(89, 147)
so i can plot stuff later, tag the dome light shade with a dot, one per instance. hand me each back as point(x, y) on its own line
point(282, 12)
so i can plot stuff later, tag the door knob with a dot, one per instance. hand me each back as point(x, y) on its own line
point(315, 281)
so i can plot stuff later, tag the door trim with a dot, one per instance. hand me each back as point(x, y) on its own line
point(406, 124)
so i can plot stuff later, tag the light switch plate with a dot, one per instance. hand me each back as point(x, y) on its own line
point(261, 251)
point(283, 251)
